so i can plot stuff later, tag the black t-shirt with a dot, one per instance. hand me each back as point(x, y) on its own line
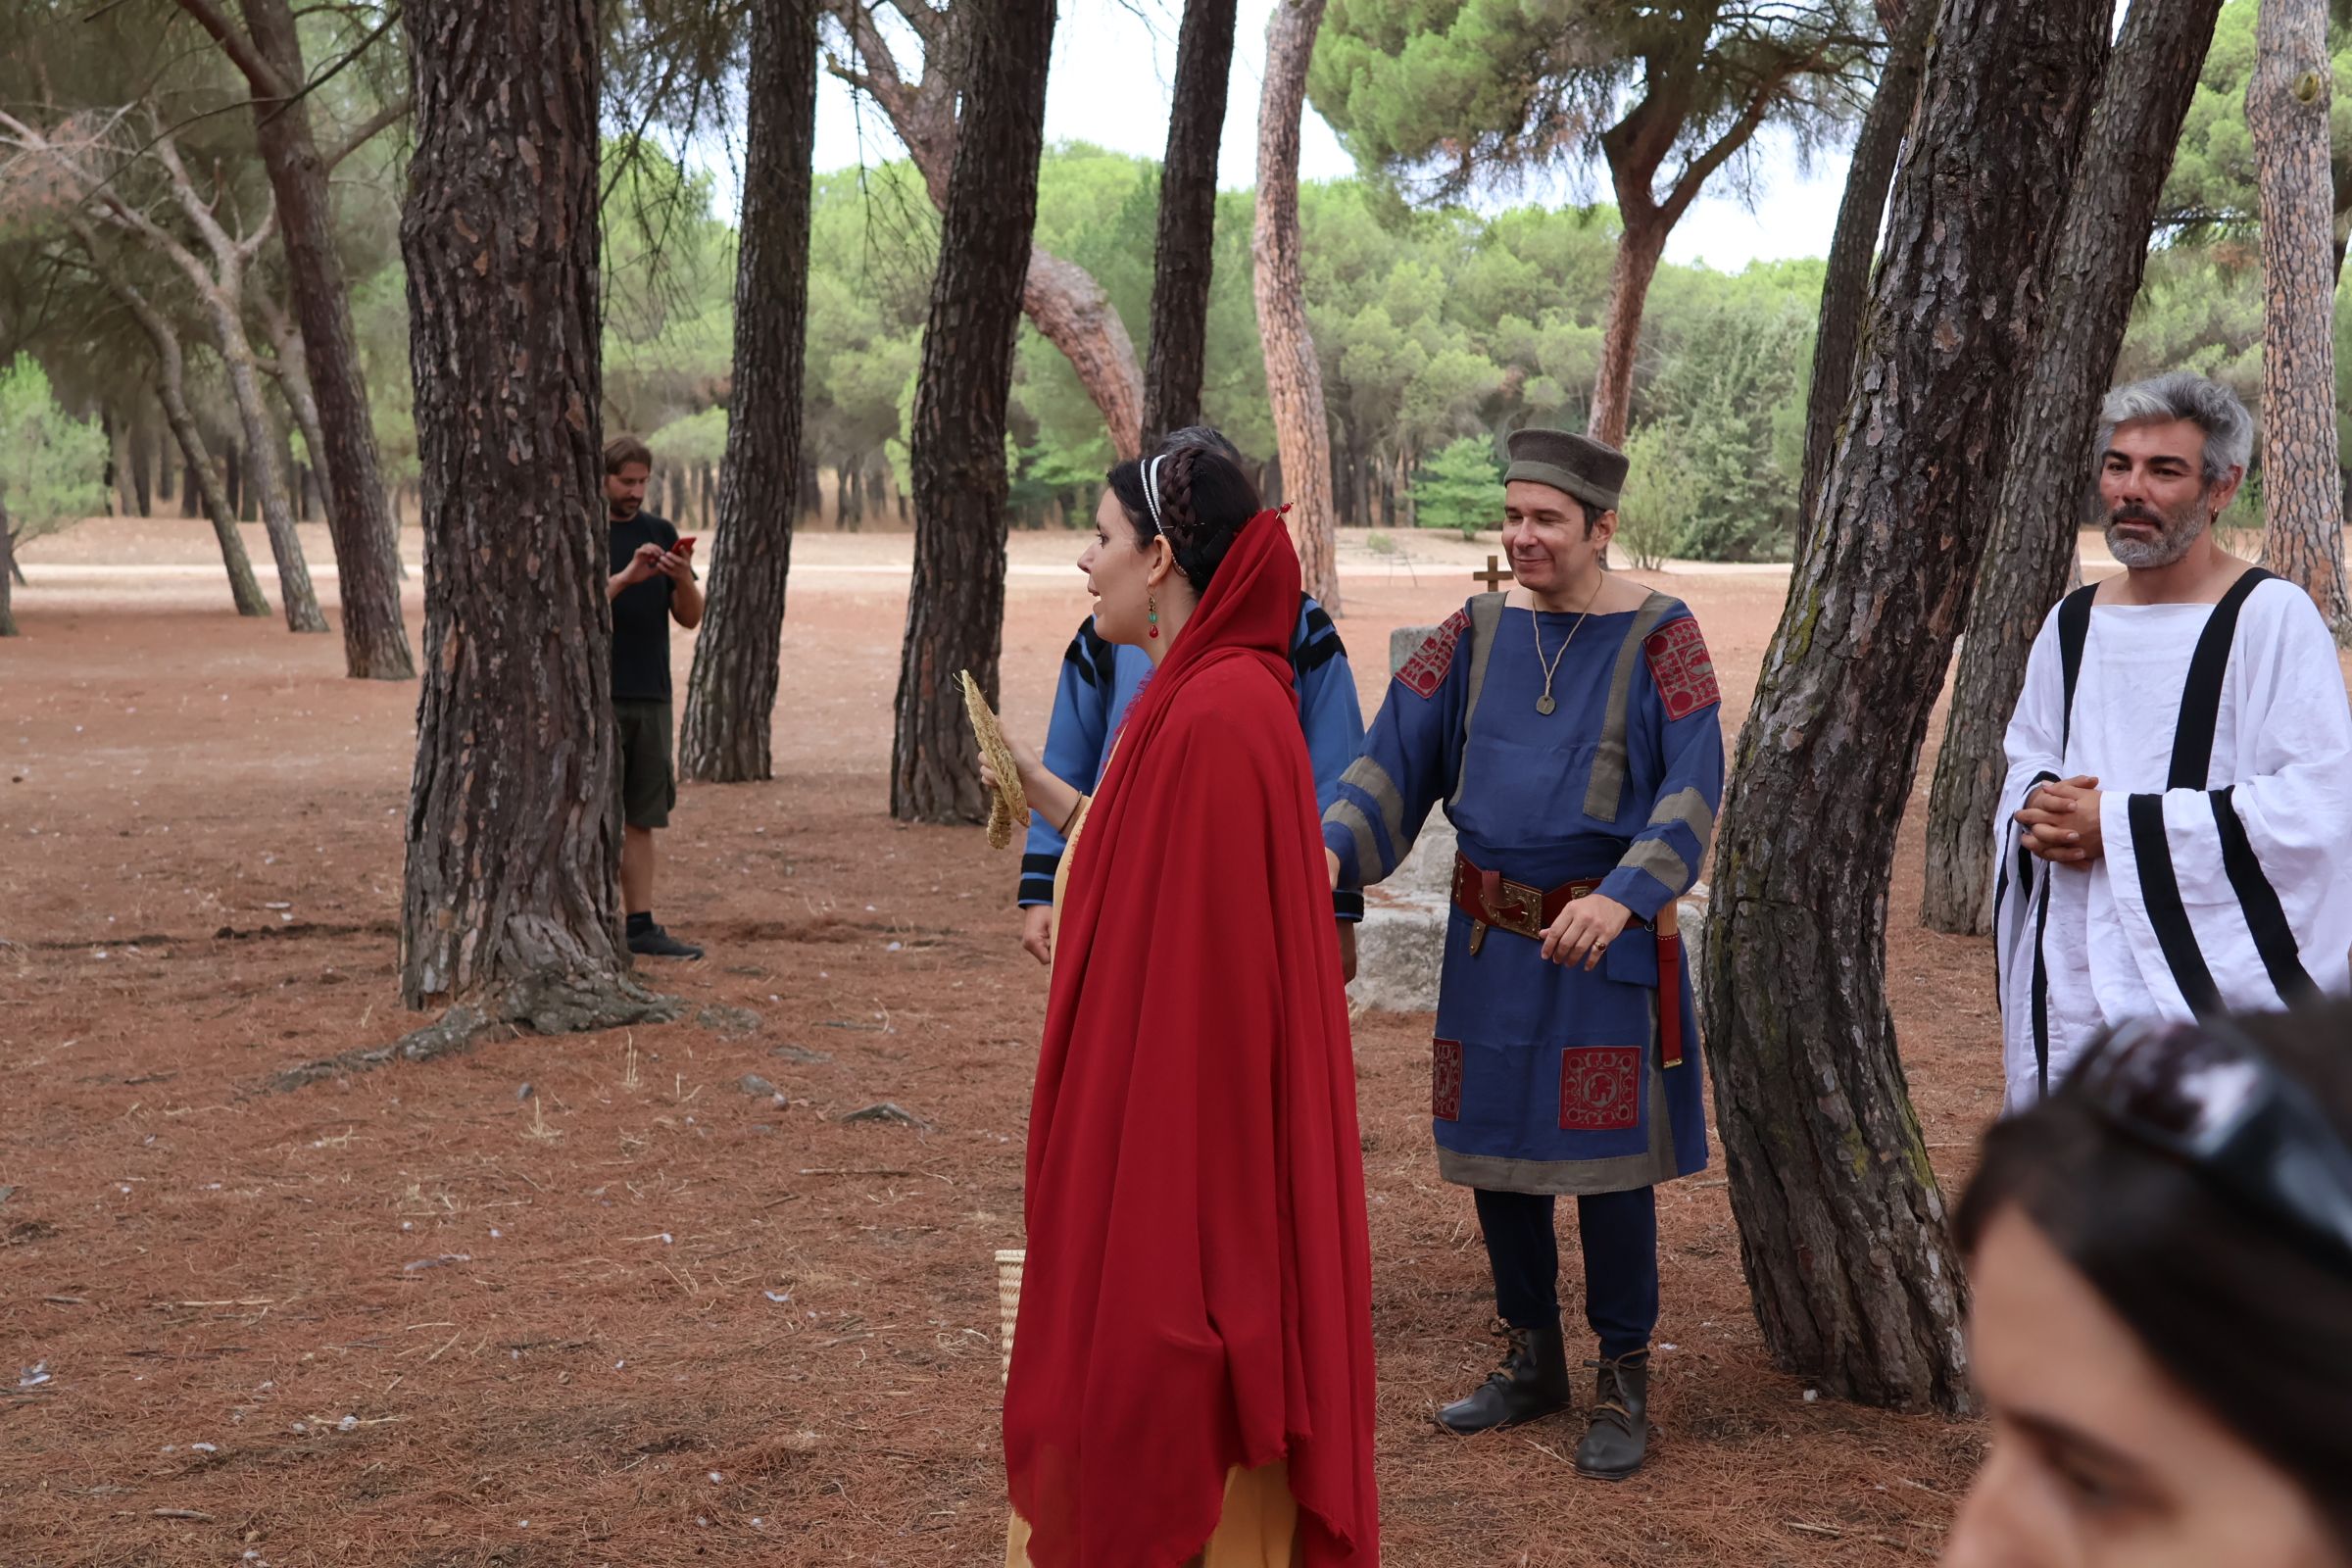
point(640, 615)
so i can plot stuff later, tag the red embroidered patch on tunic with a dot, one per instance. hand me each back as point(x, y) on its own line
point(1445, 1079)
point(1680, 663)
point(1600, 1088)
point(1426, 670)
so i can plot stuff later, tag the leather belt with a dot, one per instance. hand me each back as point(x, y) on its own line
point(1492, 900)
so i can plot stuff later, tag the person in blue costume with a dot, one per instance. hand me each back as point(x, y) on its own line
point(1569, 728)
point(1099, 679)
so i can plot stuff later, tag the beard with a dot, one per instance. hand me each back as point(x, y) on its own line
point(623, 511)
point(2176, 532)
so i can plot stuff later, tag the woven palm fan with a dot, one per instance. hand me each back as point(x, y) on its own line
point(1008, 1296)
point(1008, 811)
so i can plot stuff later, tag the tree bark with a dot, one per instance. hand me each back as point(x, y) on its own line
point(513, 829)
point(2287, 113)
point(1854, 245)
point(170, 394)
point(1061, 298)
point(1631, 270)
point(142, 490)
point(8, 577)
point(2045, 484)
point(1843, 1234)
point(1185, 252)
point(731, 692)
point(265, 487)
point(164, 445)
point(375, 640)
point(955, 606)
point(1293, 374)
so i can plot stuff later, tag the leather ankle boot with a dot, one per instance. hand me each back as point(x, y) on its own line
point(1619, 1437)
point(1531, 1382)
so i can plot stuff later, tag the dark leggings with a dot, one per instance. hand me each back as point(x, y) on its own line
point(1620, 1236)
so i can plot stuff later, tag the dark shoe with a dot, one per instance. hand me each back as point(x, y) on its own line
point(1530, 1383)
point(654, 943)
point(1619, 1437)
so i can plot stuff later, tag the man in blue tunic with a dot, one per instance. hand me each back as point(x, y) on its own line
point(1099, 679)
point(1570, 729)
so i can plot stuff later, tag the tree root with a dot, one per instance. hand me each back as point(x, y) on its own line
point(540, 1005)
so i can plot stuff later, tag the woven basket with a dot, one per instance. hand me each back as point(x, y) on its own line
point(1009, 1296)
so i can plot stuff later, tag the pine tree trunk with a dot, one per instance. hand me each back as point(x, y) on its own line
point(1185, 252)
point(1842, 1236)
point(2287, 112)
point(164, 445)
point(2046, 488)
point(955, 605)
point(255, 467)
point(375, 640)
point(514, 828)
point(142, 487)
point(732, 690)
point(1845, 286)
point(1293, 375)
point(201, 477)
point(232, 480)
point(1631, 270)
point(8, 577)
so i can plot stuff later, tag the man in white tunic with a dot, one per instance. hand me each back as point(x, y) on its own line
point(2179, 784)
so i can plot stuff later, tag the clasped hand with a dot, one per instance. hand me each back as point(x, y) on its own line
point(1583, 930)
point(2061, 820)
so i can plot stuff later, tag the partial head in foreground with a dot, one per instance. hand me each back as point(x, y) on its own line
point(1559, 507)
point(2162, 1259)
point(2173, 451)
point(1160, 533)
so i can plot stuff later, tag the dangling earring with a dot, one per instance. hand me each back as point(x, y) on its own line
point(1152, 610)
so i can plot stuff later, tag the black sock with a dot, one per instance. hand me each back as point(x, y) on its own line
point(641, 922)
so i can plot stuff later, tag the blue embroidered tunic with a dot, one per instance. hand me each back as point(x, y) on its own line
point(1547, 1078)
point(1099, 681)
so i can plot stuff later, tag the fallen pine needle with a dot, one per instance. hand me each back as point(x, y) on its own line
point(197, 1514)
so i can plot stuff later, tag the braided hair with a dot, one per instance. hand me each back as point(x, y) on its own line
point(1203, 502)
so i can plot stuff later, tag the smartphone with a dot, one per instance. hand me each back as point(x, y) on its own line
point(684, 547)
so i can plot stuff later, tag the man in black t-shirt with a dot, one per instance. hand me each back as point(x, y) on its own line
point(651, 586)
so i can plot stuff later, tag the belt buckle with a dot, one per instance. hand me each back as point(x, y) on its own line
point(1520, 910)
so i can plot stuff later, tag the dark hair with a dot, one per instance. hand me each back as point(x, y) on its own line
point(2241, 1312)
point(1205, 501)
point(1206, 436)
point(623, 450)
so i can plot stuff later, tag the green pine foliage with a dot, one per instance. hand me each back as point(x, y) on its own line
point(52, 466)
point(1461, 487)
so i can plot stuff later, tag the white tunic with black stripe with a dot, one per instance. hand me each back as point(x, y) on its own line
point(2222, 739)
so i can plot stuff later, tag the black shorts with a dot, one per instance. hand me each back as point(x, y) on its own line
point(649, 786)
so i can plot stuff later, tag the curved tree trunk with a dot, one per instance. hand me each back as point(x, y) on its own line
point(1630, 271)
point(731, 693)
point(2286, 110)
point(513, 830)
point(375, 640)
point(262, 481)
point(1293, 375)
point(956, 604)
point(1842, 1226)
point(8, 577)
point(1184, 251)
point(1846, 285)
point(170, 392)
point(2046, 484)
point(1061, 298)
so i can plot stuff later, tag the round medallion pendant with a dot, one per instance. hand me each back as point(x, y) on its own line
point(1544, 704)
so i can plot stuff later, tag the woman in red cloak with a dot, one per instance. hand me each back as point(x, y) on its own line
point(1192, 1368)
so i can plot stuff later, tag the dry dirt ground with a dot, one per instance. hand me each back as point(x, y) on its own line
point(667, 1302)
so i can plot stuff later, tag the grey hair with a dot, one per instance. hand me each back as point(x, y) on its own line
point(2185, 395)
